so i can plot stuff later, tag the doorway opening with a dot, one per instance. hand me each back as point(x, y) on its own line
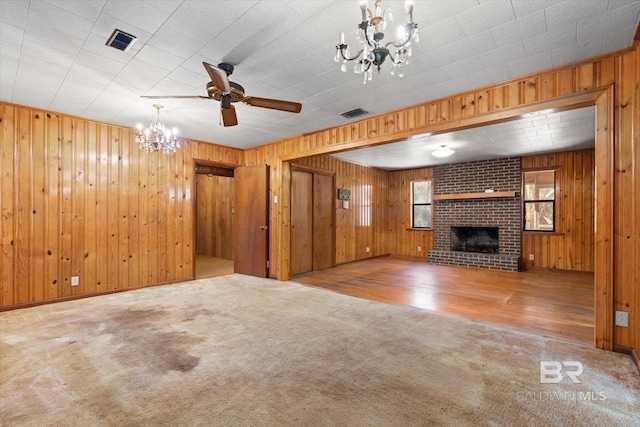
point(215, 198)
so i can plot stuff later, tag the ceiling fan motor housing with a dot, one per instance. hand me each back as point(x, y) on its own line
point(227, 68)
point(236, 95)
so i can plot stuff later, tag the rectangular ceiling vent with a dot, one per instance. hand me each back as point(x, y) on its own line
point(354, 113)
point(121, 40)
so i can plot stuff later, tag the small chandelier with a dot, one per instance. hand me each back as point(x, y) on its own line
point(156, 137)
point(370, 35)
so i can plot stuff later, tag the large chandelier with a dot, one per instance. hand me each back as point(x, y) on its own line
point(157, 137)
point(370, 35)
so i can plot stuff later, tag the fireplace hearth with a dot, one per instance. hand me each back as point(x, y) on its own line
point(475, 239)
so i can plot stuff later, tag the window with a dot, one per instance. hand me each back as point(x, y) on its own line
point(539, 197)
point(421, 204)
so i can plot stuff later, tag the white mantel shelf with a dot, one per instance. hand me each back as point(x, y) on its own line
point(483, 195)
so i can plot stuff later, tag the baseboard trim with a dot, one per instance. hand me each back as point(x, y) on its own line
point(93, 294)
point(629, 351)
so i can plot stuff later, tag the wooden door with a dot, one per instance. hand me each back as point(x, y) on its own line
point(251, 221)
point(301, 222)
point(323, 214)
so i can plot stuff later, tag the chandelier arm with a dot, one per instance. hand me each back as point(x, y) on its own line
point(408, 39)
point(342, 51)
point(390, 55)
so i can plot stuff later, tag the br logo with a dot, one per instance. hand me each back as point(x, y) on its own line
point(552, 372)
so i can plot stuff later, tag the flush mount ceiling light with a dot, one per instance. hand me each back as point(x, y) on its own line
point(443, 151)
point(370, 35)
point(157, 137)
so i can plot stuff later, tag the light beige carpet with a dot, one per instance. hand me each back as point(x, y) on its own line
point(241, 351)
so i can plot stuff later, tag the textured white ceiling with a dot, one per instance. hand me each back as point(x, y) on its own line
point(541, 132)
point(53, 56)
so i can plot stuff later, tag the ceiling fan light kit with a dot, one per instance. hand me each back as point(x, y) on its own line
point(370, 35)
point(228, 92)
point(157, 137)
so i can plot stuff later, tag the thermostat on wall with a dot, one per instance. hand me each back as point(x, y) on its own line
point(344, 194)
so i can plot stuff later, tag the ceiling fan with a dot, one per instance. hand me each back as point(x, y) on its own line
point(228, 92)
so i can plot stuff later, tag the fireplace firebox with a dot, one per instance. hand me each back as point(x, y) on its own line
point(475, 239)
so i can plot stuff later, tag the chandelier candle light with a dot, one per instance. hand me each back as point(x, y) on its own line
point(370, 35)
point(156, 137)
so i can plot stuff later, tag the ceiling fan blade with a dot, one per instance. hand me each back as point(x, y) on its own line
point(274, 104)
point(218, 77)
point(175, 97)
point(229, 117)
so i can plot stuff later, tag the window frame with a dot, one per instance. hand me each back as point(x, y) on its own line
point(554, 201)
point(413, 204)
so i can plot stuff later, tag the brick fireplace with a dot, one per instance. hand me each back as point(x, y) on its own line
point(460, 200)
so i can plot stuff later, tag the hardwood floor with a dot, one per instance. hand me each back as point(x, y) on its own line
point(207, 266)
point(556, 304)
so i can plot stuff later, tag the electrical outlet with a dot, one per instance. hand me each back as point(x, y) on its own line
point(419, 248)
point(622, 319)
point(75, 280)
point(367, 250)
point(531, 257)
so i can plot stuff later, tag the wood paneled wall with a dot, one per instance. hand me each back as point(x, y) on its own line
point(379, 214)
point(611, 82)
point(571, 247)
point(626, 192)
point(402, 240)
point(79, 198)
point(214, 218)
point(366, 222)
point(66, 184)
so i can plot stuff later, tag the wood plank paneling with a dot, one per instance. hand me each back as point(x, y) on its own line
point(80, 199)
point(214, 219)
point(626, 197)
point(402, 239)
point(571, 247)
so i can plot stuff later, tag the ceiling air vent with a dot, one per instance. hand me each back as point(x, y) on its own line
point(121, 40)
point(354, 113)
